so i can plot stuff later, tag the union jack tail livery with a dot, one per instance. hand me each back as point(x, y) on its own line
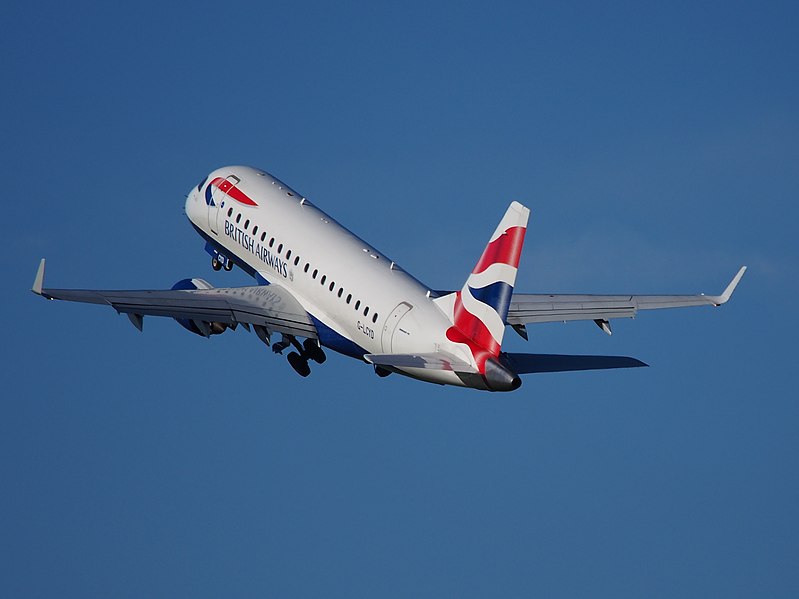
point(481, 307)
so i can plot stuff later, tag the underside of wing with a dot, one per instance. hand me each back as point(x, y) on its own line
point(271, 306)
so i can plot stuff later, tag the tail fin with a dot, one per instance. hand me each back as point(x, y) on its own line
point(482, 305)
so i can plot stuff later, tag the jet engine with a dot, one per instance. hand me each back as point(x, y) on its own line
point(200, 327)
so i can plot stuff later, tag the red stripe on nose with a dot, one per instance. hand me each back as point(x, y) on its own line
point(232, 191)
point(240, 196)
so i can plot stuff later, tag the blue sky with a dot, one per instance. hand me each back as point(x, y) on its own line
point(657, 149)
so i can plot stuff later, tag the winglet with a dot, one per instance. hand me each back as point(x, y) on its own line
point(39, 280)
point(724, 297)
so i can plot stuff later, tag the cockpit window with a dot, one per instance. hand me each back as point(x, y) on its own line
point(200, 186)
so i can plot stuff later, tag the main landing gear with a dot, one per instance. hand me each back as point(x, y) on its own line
point(299, 364)
point(309, 350)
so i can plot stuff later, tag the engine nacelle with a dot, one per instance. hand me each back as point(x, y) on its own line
point(199, 327)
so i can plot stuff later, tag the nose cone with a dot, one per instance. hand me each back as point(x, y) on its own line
point(192, 205)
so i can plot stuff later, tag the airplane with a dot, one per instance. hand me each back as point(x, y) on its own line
point(319, 283)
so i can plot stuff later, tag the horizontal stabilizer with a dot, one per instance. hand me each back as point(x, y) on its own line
point(532, 363)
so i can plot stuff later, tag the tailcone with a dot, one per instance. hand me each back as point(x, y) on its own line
point(499, 377)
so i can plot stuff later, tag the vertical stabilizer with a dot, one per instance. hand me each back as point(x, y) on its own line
point(482, 305)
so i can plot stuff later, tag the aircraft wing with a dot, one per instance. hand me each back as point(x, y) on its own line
point(533, 308)
point(269, 306)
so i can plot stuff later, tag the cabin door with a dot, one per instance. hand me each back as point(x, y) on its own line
point(392, 322)
point(219, 200)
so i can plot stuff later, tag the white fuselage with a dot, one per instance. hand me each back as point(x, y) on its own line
point(370, 305)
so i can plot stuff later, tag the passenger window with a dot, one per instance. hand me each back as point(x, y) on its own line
point(324, 278)
point(332, 285)
point(247, 224)
point(340, 291)
point(366, 311)
point(307, 266)
point(255, 230)
point(271, 242)
point(374, 317)
point(288, 254)
point(263, 236)
point(296, 261)
point(280, 248)
point(230, 212)
point(238, 218)
point(349, 297)
point(315, 272)
point(358, 305)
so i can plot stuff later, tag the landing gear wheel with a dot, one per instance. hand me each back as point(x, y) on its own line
point(229, 265)
point(215, 264)
point(314, 351)
point(299, 364)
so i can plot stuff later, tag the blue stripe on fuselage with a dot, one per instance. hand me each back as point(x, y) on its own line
point(335, 341)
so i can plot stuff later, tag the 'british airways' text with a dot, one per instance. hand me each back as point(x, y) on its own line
point(261, 252)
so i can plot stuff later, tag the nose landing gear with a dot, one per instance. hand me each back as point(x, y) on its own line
point(218, 261)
